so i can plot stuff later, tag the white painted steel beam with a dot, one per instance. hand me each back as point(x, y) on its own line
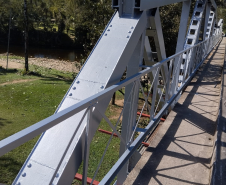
point(207, 18)
point(149, 4)
point(155, 31)
point(193, 36)
point(183, 25)
point(131, 97)
point(181, 39)
point(103, 68)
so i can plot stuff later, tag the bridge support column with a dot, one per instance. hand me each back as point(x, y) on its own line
point(130, 106)
point(155, 31)
point(181, 40)
point(192, 38)
point(207, 17)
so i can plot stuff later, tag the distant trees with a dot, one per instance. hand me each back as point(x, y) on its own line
point(82, 20)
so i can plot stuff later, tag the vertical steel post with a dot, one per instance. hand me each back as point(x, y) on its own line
point(129, 114)
point(207, 17)
point(180, 41)
point(155, 31)
point(87, 147)
point(183, 25)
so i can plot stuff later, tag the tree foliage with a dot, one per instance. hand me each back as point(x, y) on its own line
point(81, 20)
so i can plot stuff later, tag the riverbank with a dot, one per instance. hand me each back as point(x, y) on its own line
point(16, 62)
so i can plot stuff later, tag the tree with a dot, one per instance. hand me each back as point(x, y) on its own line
point(26, 35)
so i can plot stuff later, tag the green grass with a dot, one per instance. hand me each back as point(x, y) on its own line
point(97, 148)
point(23, 104)
point(10, 57)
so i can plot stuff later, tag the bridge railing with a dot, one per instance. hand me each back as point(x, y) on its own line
point(196, 55)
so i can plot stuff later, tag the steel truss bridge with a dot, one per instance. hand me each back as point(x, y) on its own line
point(124, 45)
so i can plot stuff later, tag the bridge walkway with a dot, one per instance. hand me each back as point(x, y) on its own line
point(181, 150)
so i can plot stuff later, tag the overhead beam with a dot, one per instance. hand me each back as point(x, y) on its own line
point(148, 4)
point(213, 4)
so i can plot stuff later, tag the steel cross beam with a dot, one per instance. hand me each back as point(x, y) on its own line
point(149, 4)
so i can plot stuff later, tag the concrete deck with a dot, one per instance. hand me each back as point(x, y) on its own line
point(182, 149)
point(219, 159)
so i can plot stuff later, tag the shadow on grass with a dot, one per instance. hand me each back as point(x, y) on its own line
point(8, 167)
point(3, 122)
point(4, 71)
point(58, 78)
point(52, 77)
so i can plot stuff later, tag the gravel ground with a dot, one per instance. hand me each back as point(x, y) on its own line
point(60, 65)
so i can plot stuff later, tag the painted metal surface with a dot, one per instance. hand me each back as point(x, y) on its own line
point(102, 95)
point(104, 67)
point(148, 4)
point(154, 122)
point(129, 115)
point(193, 37)
point(59, 152)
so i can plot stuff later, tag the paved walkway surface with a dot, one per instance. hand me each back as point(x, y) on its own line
point(219, 160)
point(182, 149)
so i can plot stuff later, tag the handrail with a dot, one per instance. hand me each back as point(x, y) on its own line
point(109, 177)
point(29, 133)
point(199, 52)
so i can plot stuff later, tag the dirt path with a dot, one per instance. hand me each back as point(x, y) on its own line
point(17, 81)
point(13, 65)
point(42, 62)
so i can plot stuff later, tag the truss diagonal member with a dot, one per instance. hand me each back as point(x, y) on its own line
point(159, 100)
point(146, 97)
point(155, 31)
point(112, 126)
point(102, 158)
point(135, 128)
point(168, 82)
point(87, 148)
point(68, 145)
point(130, 113)
point(103, 68)
point(155, 88)
point(125, 103)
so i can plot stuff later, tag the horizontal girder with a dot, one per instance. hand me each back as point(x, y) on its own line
point(148, 4)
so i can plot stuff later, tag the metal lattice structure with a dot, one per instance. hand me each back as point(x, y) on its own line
point(67, 134)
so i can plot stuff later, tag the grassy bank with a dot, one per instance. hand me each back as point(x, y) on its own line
point(28, 99)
